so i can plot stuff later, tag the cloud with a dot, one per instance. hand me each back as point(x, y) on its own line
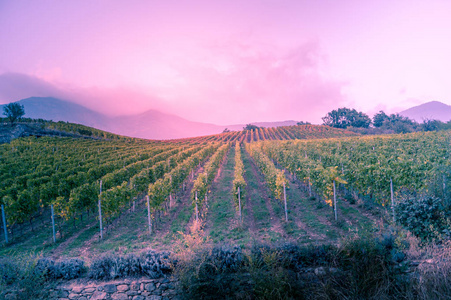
point(16, 86)
point(243, 82)
point(110, 101)
point(223, 83)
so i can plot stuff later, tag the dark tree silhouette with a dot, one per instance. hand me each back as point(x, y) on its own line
point(13, 111)
point(250, 127)
point(345, 117)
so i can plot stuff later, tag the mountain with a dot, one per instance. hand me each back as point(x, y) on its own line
point(151, 124)
point(54, 109)
point(433, 110)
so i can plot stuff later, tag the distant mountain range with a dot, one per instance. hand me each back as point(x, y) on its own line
point(151, 124)
point(433, 110)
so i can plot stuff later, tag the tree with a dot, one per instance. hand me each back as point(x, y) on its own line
point(379, 119)
point(13, 111)
point(400, 124)
point(431, 125)
point(226, 130)
point(345, 117)
point(303, 123)
point(250, 127)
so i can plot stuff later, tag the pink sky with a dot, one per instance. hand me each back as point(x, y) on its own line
point(228, 61)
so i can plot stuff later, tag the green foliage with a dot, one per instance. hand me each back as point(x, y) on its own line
point(379, 119)
point(21, 275)
point(13, 111)
point(250, 127)
point(238, 180)
point(35, 173)
point(415, 162)
point(345, 117)
point(275, 179)
point(303, 123)
point(425, 216)
point(400, 124)
point(204, 180)
point(431, 125)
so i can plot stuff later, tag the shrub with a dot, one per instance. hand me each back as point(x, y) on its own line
point(69, 269)
point(19, 274)
point(362, 268)
point(210, 273)
point(423, 216)
point(101, 268)
point(9, 271)
point(151, 264)
point(155, 264)
point(46, 267)
point(295, 257)
point(65, 269)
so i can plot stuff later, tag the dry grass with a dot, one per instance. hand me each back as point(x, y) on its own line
point(433, 274)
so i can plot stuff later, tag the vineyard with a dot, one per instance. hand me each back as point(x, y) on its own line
point(275, 133)
point(309, 184)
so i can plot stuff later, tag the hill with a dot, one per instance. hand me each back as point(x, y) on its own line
point(40, 128)
point(433, 110)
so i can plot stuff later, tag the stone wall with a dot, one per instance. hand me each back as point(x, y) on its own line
point(127, 289)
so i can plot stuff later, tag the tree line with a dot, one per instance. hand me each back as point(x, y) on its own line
point(346, 118)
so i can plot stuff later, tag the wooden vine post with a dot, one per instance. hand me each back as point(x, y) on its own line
point(335, 202)
point(148, 215)
point(197, 210)
point(392, 200)
point(239, 204)
point(309, 185)
point(4, 224)
point(53, 223)
point(285, 201)
point(100, 211)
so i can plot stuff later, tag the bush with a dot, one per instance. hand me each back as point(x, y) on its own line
point(295, 257)
point(210, 273)
point(46, 267)
point(65, 269)
point(69, 269)
point(101, 268)
point(19, 274)
point(9, 271)
point(423, 215)
point(151, 264)
point(155, 264)
point(363, 268)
